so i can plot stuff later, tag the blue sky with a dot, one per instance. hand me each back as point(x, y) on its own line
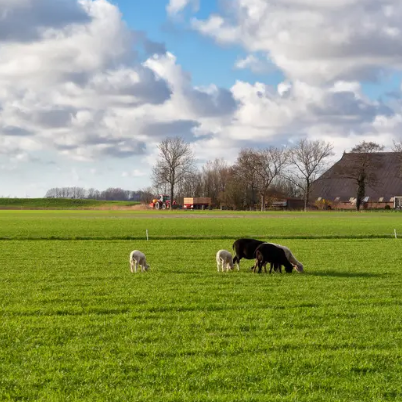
point(79, 108)
point(206, 61)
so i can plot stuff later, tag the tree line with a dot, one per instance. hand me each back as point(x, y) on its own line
point(110, 194)
point(260, 175)
point(257, 176)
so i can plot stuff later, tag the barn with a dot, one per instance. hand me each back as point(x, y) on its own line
point(337, 187)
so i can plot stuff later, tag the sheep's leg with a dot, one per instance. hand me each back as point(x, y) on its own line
point(131, 267)
point(270, 269)
point(223, 265)
point(257, 264)
point(217, 265)
point(236, 260)
point(136, 266)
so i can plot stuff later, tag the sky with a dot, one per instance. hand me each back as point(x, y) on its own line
point(88, 88)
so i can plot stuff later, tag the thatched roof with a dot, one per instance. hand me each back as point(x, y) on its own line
point(385, 167)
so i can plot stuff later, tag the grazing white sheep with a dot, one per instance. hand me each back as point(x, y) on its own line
point(292, 259)
point(137, 258)
point(224, 259)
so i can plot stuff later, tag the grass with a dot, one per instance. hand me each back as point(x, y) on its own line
point(76, 325)
point(58, 203)
point(131, 225)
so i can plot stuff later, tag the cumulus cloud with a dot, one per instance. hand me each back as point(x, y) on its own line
point(133, 173)
point(281, 115)
point(315, 42)
point(26, 21)
point(81, 83)
point(255, 64)
point(84, 86)
point(176, 6)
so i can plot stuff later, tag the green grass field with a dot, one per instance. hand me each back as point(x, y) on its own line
point(131, 225)
point(58, 203)
point(76, 325)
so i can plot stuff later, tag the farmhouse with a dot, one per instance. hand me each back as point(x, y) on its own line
point(290, 204)
point(337, 187)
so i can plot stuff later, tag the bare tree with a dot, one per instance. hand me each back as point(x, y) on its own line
point(245, 173)
point(146, 195)
point(268, 165)
point(189, 186)
point(362, 168)
point(397, 147)
point(176, 160)
point(233, 195)
point(258, 170)
point(93, 194)
point(214, 177)
point(307, 160)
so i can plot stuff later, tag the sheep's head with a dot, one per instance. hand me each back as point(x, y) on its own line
point(299, 268)
point(146, 266)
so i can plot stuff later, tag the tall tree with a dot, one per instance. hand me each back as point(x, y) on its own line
point(214, 177)
point(189, 186)
point(245, 173)
point(362, 168)
point(397, 147)
point(268, 165)
point(233, 194)
point(307, 159)
point(176, 160)
point(259, 169)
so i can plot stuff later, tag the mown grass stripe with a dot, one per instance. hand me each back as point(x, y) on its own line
point(203, 237)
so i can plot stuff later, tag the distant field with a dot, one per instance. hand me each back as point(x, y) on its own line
point(202, 225)
point(76, 325)
point(57, 203)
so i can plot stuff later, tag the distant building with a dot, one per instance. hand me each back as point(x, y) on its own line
point(339, 192)
point(289, 204)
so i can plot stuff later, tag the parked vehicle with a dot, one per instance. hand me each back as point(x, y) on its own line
point(197, 202)
point(163, 202)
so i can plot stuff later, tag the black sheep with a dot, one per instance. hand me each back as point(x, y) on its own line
point(245, 248)
point(274, 255)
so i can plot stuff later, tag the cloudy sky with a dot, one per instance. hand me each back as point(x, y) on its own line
point(89, 87)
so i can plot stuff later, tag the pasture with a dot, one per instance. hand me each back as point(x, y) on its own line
point(76, 325)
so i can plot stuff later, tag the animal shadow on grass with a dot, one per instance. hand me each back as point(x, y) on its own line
point(340, 274)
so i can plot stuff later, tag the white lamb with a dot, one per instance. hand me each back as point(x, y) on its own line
point(138, 259)
point(292, 259)
point(224, 259)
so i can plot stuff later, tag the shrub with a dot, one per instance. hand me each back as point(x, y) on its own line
point(323, 204)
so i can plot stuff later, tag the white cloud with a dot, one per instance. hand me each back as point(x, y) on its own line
point(78, 87)
point(176, 6)
point(255, 64)
point(316, 42)
point(73, 87)
point(134, 173)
